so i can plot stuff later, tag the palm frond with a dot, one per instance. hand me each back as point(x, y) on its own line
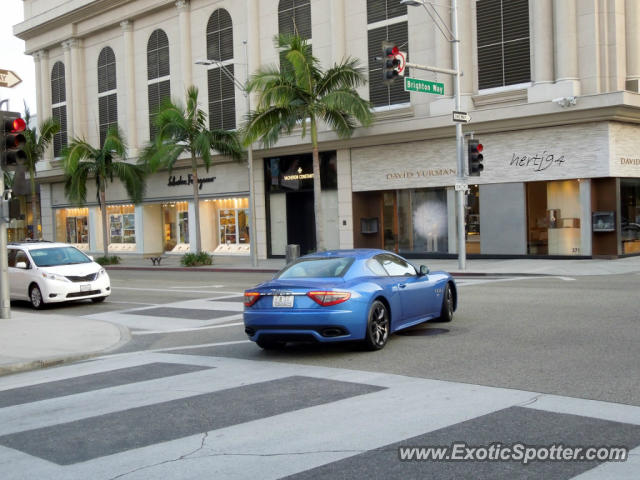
point(350, 103)
point(269, 123)
point(348, 74)
point(133, 178)
point(75, 186)
point(114, 144)
point(340, 122)
point(77, 151)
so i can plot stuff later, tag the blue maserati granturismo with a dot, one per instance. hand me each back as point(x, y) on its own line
point(346, 295)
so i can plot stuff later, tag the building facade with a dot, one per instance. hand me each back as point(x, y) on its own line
point(551, 87)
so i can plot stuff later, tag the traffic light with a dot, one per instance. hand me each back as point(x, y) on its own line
point(13, 140)
point(475, 158)
point(391, 63)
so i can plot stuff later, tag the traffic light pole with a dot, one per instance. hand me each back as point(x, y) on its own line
point(5, 302)
point(460, 176)
point(462, 249)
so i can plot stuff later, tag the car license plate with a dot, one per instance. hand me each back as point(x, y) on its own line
point(85, 288)
point(283, 300)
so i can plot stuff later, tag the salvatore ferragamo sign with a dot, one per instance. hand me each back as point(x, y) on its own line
point(178, 181)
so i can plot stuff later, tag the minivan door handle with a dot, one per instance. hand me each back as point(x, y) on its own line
point(402, 285)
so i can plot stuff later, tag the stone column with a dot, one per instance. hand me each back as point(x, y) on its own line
point(184, 20)
point(130, 87)
point(541, 12)
point(632, 19)
point(585, 217)
point(68, 84)
point(39, 85)
point(338, 26)
point(566, 47)
point(78, 93)
point(45, 86)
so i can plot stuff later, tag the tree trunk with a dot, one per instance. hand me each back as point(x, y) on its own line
point(196, 200)
point(103, 210)
point(317, 190)
point(34, 208)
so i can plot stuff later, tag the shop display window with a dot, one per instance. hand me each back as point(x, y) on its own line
point(422, 221)
point(232, 218)
point(630, 215)
point(122, 224)
point(72, 226)
point(553, 218)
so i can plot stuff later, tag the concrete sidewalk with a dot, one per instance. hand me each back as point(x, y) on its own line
point(526, 266)
point(30, 340)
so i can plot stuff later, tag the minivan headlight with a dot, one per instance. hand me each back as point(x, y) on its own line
point(55, 276)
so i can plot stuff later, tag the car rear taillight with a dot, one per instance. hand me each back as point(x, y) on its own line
point(327, 299)
point(250, 298)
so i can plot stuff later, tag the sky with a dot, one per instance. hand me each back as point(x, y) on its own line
point(12, 57)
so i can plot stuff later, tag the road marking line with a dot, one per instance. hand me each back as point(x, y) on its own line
point(134, 303)
point(168, 290)
point(190, 347)
point(566, 279)
point(155, 332)
point(201, 286)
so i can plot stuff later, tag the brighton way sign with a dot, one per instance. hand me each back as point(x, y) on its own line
point(423, 86)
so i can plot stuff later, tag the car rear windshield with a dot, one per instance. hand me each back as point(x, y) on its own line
point(49, 257)
point(317, 268)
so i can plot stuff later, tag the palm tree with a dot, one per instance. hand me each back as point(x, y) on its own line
point(34, 148)
point(182, 130)
point(82, 161)
point(301, 93)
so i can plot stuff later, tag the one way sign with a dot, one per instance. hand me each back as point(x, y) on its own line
point(461, 117)
point(8, 78)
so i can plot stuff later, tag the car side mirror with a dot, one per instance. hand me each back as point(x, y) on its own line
point(22, 265)
point(424, 270)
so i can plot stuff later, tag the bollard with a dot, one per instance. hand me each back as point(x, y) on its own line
point(293, 252)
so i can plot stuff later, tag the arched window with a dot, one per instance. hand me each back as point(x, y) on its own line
point(107, 96)
point(294, 17)
point(386, 20)
point(59, 107)
point(222, 92)
point(158, 83)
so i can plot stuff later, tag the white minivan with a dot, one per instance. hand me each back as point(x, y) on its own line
point(46, 272)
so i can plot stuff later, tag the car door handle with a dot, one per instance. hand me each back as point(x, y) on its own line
point(402, 285)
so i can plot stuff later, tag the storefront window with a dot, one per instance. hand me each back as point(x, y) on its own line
point(232, 218)
point(422, 221)
point(472, 220)
point(72, 226)
point(122, 224)
point(630, 215)
point(553, 217)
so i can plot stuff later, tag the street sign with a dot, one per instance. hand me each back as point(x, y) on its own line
point(423, 86)
point(461, 117)
point(9, 78)
point(461, 187)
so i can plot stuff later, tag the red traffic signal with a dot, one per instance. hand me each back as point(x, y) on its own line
point(391, 64)
point(475, 158)
point(13, 141)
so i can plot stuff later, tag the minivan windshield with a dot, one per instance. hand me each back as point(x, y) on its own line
point(49, 257)
point(317, 268)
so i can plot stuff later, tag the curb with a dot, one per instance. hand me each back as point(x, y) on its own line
point(265, 270)
point(48, 362)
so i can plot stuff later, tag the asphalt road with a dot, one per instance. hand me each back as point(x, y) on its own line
point(190, 397)
point(575, 338)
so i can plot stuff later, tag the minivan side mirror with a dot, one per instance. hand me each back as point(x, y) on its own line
point(424, 270)
point(90, 257)
point(22, 265)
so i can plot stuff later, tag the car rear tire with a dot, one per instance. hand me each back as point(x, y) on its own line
point(98, 299)
point(35, 297)
point(270, 344)
point(378, 327)
point(446, 314)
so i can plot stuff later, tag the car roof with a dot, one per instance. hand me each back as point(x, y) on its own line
point(358, 253)
point(32, 245)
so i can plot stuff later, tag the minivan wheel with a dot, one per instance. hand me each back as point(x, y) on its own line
point(35, 296)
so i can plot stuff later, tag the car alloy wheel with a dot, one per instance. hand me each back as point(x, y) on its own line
point(35, 295)
point(377, 326)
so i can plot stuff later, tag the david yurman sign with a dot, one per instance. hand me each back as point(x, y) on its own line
point(177, 181)
point(438, 172)
point(538, 162)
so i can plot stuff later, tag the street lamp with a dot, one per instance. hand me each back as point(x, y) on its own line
point(252, 203)
point(452, 36)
